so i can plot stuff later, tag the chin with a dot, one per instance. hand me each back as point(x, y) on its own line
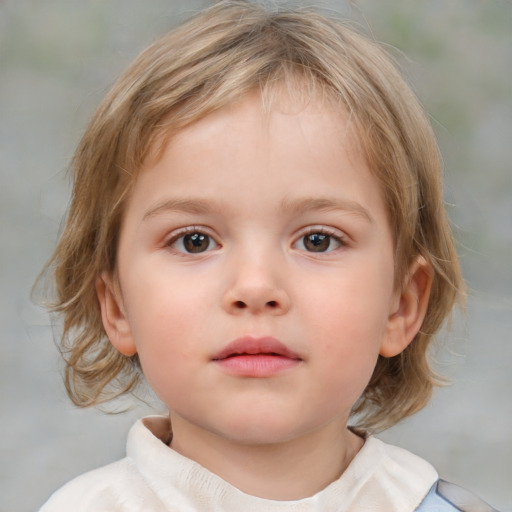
point(262, 431)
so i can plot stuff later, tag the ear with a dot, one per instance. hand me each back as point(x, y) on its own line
point(409, 309)
point(114, 319)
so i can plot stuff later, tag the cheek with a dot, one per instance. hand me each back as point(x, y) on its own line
point(165, 341)
point(349, 318)
point(167, 315)
point(168, 331)
point(164, 302)
point(347, 364)
point(353, 307)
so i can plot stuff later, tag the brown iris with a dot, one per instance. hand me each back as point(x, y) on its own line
point(317, 242)
point(196, 242)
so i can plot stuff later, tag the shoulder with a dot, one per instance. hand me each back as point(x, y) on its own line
point(115, 487)
point(415, 485)
point(385, 477)
point(447, 497)
point(123, 486)
point(406, 472)
point(85, 488)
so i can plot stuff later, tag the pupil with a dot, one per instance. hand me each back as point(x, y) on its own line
point(197, 242)
point(317, 242)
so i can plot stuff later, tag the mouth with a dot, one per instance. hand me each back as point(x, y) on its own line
point(256, 357)
point(249, 346)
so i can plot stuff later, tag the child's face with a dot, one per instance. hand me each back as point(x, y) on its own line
point(270, 233)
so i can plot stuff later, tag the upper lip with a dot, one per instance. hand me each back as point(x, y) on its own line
point(249, 345)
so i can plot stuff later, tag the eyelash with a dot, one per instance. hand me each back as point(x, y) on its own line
point(339, 239)
point(335, 235)
point(182, 233)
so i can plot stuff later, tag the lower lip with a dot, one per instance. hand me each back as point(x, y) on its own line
point(258, 365)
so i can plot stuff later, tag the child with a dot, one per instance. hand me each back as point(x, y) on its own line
point(257, 227)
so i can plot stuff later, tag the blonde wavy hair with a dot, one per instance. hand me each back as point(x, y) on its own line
point(210, 61)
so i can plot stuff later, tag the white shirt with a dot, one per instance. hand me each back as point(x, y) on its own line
point(153, 477)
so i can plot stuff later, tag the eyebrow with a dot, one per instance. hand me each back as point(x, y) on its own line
point(198, 206)
point(325, 204)
point(195, 206)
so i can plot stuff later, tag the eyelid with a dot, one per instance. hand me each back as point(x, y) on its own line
point(320, 228)
point(340, 236)
point(176, 234)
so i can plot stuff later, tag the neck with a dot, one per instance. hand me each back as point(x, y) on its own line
point(289, 470)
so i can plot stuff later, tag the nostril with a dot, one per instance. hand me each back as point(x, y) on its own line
point(272, 303)
point(240, 304)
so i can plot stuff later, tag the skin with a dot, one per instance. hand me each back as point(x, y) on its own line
point(257, 185)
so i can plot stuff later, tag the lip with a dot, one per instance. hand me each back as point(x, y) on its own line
point(256, 357)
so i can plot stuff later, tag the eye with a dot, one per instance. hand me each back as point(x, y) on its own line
point(319, 241)
point(192, 242)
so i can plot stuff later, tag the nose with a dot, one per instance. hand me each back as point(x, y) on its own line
point(256, 288)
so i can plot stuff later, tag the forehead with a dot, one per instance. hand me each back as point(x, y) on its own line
point(248, 154)
point(288, 97)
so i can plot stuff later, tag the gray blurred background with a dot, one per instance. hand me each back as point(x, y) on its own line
point(57, 59)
